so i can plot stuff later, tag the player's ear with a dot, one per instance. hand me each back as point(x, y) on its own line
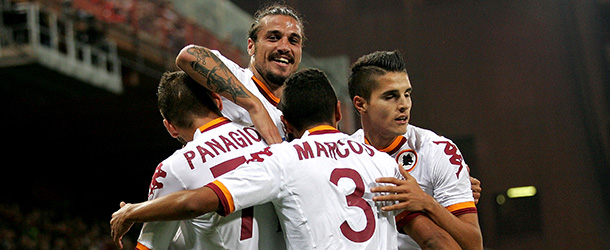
point(338, 114)
point(217, 100)
point(289, 128)
point(171, 129)
point(251, 48)
point(360, 104)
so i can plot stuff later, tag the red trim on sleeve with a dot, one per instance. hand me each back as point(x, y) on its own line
point(404, 218)
point(225, 202)
point(463, 211)
point(462, 208)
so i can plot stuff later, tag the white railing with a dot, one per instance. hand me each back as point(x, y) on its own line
point(50, 40)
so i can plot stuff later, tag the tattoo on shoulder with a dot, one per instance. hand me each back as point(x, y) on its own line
point(219, 78)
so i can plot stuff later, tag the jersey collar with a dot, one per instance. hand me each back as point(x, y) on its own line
point(214, 124)
point(266, 92)
point(393, 147)
point(322, 129)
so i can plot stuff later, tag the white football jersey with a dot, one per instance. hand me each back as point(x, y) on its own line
point(218, 147)
point(240, 115)
point(320, 187)
point(439, 168)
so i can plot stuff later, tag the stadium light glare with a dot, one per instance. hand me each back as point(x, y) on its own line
point(519, 192)
point(500, 199)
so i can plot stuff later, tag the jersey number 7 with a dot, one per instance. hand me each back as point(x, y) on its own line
point(247, 214)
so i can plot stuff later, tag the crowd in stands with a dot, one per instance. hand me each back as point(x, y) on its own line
point(53, 228)
point(154, 21)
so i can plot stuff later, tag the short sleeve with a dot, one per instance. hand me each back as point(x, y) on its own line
point(164, 182)
point(232, 66)
point(451, 180)
point(254, 183)
point(157, 234)
point(235, 112)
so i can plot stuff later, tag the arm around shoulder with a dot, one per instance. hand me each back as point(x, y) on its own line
point(208, 70)
point(181, 205)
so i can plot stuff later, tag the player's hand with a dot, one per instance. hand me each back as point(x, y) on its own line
point(476, 189)
point(119, 225)
point(265, 126)
point(407, 192)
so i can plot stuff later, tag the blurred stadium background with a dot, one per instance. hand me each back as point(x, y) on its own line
point(521, 86)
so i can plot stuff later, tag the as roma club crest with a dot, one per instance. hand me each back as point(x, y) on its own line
point(408, 159)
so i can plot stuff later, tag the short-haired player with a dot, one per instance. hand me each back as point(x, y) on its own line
point(381, 92)
point(213, 146)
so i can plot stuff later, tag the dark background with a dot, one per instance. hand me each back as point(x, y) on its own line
point(521, 86)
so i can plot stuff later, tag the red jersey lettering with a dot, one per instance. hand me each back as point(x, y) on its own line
point(451, 150)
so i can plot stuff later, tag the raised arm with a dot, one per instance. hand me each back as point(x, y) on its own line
point(209, 71)
point(175, 206)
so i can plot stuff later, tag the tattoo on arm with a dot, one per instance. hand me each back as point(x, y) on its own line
point(219, 78)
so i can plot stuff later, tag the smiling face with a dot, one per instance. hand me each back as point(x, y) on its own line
point(276, 53)
point(386, 113)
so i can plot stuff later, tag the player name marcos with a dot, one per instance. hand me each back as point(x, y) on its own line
point(332, 149)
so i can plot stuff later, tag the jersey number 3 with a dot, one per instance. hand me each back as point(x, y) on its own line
point(355, 200)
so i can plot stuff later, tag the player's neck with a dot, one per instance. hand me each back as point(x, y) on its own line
point(379, 143)
point(199, 122)
point(378, 140)
point(299, 133)
point(274, 88)
point(375, 136)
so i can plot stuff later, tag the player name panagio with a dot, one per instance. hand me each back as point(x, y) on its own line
point(240, 138)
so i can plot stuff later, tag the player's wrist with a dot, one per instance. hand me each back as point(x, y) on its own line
point(130, 213)
point(431, 206)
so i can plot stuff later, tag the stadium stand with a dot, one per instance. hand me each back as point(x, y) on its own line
point(87, 71)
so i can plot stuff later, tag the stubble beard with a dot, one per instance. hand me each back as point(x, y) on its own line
point(271, 77)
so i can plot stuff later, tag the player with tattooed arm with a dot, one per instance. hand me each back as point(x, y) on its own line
point(275, 42)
